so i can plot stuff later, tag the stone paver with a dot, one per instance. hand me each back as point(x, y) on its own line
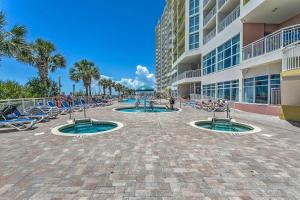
point(154, 156)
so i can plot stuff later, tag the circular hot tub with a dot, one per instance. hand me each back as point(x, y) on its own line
point(225, 126)
point(86, 127)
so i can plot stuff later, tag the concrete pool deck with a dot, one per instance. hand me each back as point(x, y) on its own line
point(154, 156)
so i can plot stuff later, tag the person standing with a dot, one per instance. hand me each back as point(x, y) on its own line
point(70, 99)
point(172, 102)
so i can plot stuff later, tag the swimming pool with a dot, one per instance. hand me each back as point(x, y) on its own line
point(87, 127)
point(142, 110)
point(131, 101)
point(225, 126)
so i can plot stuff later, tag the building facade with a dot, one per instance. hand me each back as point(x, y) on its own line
point(236, 50)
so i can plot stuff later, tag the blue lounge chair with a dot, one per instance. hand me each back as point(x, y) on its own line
point(51, 111)
point(62, 110)
point(74, 108)
point(11, 112)
point(21, 124)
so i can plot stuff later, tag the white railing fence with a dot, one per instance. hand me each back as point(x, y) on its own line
point(210, 15)
point(209, 36)
point(291, 57)
point(229, 18)
point(205, 2)
point(24, 104)
point(221, 3)
point(190, 74)
point(272, 42)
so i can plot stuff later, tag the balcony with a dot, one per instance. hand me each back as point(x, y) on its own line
point(188, 76)
point(271, 43)
point(291, 57)
point(210, 15)
point(229, 19)
point(209, 36)
point(205, 2)
point(221, 3)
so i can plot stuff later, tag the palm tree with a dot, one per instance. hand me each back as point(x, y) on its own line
point(43, 59)
point(110, 85)
point(86, 71)
point(104, 84)
point(118, 88)
point(12, 43)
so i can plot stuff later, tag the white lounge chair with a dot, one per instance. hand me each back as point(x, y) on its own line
point(20, 124)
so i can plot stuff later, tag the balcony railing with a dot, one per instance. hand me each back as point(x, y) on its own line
point(210, 15)
point(190, 74)
point(209, 36)
point(205, 2)
point(229, 18)
point(272, 42)
point(222, 2)
point(291, 57)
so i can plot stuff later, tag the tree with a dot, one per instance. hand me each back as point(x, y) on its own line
point(110, 85)
point(104, 84)
point(118, 88)
point(13, 43)
point(43, 58)
point(38, 88)
point(86, 71)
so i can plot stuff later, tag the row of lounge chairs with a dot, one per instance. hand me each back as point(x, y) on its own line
point(12, 118)
point(209, 106)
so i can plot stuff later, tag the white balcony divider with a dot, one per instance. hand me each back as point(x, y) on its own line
point(222, 2)
point(272, 42)
point(229, 18)
point(190, 74)
point(210, 15)
point(291, 57)
point(209, 36)
point(205, 2)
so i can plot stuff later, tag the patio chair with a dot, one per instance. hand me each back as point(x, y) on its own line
point(51, 111)
point(62, 111)
point(20, 124)
point(74, 108)
point(33, 113)
point(84, 104)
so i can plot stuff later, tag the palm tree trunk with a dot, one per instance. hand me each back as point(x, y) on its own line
point(43, 72)
point(104, 90)
point(90, 90)
point(110, 91)
point(86, 91)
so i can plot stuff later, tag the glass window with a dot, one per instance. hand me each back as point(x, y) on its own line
point(209, 91)
point(229, 53)
point(248, 90)
point(194, 41)
point(194, 6)
point(228, 90)
point(194, 23)
point(209, 63)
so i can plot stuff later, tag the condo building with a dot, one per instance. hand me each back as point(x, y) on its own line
point(245, 51)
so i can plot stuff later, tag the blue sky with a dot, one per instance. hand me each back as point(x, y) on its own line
point(118, 35)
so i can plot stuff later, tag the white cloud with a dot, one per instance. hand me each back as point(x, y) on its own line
point(143, 77)
point(105, 77)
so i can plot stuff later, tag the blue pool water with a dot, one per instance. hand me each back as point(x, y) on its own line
point(141, 109)
point(131, 101)
point(224, 125)
point(88, 127)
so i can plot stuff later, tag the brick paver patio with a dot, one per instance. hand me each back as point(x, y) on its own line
point(154, 156)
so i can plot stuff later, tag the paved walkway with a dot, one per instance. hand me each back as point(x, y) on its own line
point(155, 156)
